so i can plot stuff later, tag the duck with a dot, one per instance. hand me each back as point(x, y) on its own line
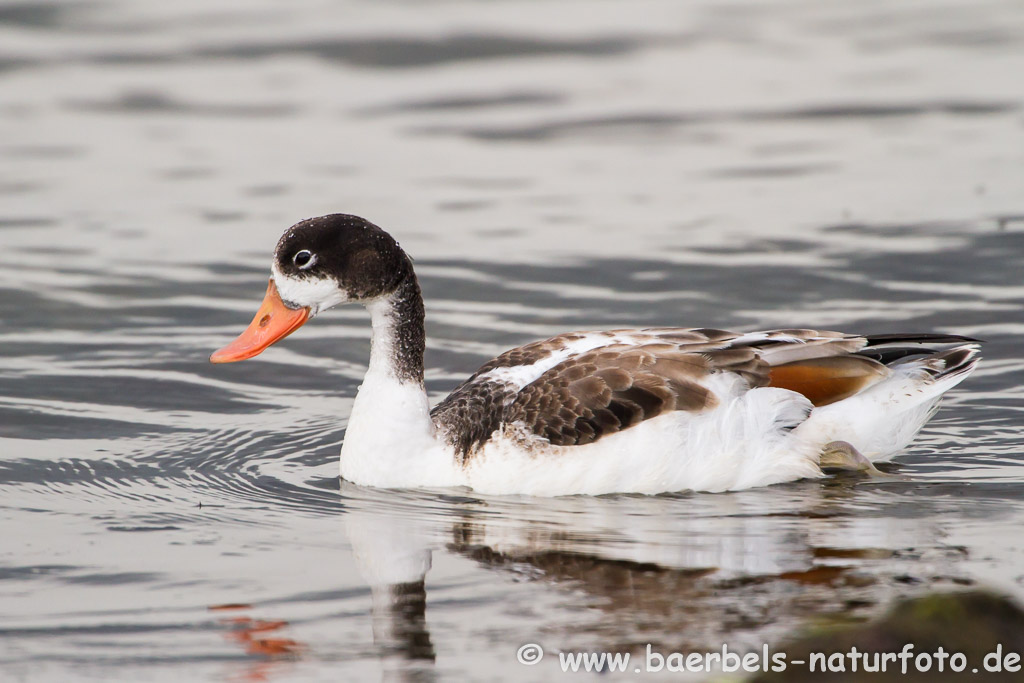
point(643, 411)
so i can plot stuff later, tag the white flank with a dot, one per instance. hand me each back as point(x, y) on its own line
point(737, 445)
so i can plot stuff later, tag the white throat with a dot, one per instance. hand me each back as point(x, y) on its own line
point(390, 440)
point(382, 340)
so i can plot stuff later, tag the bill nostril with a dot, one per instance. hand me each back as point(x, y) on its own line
point(265, 320)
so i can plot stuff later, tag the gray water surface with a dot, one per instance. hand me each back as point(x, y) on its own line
point(551, 166)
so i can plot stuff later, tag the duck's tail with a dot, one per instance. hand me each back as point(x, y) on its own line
point(883, 419)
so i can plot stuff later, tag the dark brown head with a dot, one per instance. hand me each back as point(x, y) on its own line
point(320, 263)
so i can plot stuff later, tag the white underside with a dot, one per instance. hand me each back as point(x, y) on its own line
point(739, 444)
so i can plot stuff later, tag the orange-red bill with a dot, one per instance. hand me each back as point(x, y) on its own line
point(274, 321)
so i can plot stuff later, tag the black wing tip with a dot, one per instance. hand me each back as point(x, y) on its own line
point(908, 338)
point(956, 362)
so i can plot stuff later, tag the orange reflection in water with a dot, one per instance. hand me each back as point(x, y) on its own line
point(252, 634)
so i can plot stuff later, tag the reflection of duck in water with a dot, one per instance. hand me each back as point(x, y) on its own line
point(644, 411)
point(608, 573)
point(394, 555)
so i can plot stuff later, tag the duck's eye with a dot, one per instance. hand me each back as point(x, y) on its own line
point(304, 259)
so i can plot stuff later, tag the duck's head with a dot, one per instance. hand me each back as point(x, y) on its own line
point(319, 263)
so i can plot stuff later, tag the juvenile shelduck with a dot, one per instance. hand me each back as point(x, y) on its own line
point(626, 410)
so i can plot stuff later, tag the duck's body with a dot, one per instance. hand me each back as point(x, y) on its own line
point(642, 411)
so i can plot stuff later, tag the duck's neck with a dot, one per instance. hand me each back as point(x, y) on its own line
point(399, 339)
point(390, 437)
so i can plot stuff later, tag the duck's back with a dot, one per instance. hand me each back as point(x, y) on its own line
point(559, 399)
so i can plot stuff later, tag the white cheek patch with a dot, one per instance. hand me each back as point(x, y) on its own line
point(315, 293)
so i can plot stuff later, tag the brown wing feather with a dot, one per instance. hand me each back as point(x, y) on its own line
point(613, 388)
point(618, 385)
